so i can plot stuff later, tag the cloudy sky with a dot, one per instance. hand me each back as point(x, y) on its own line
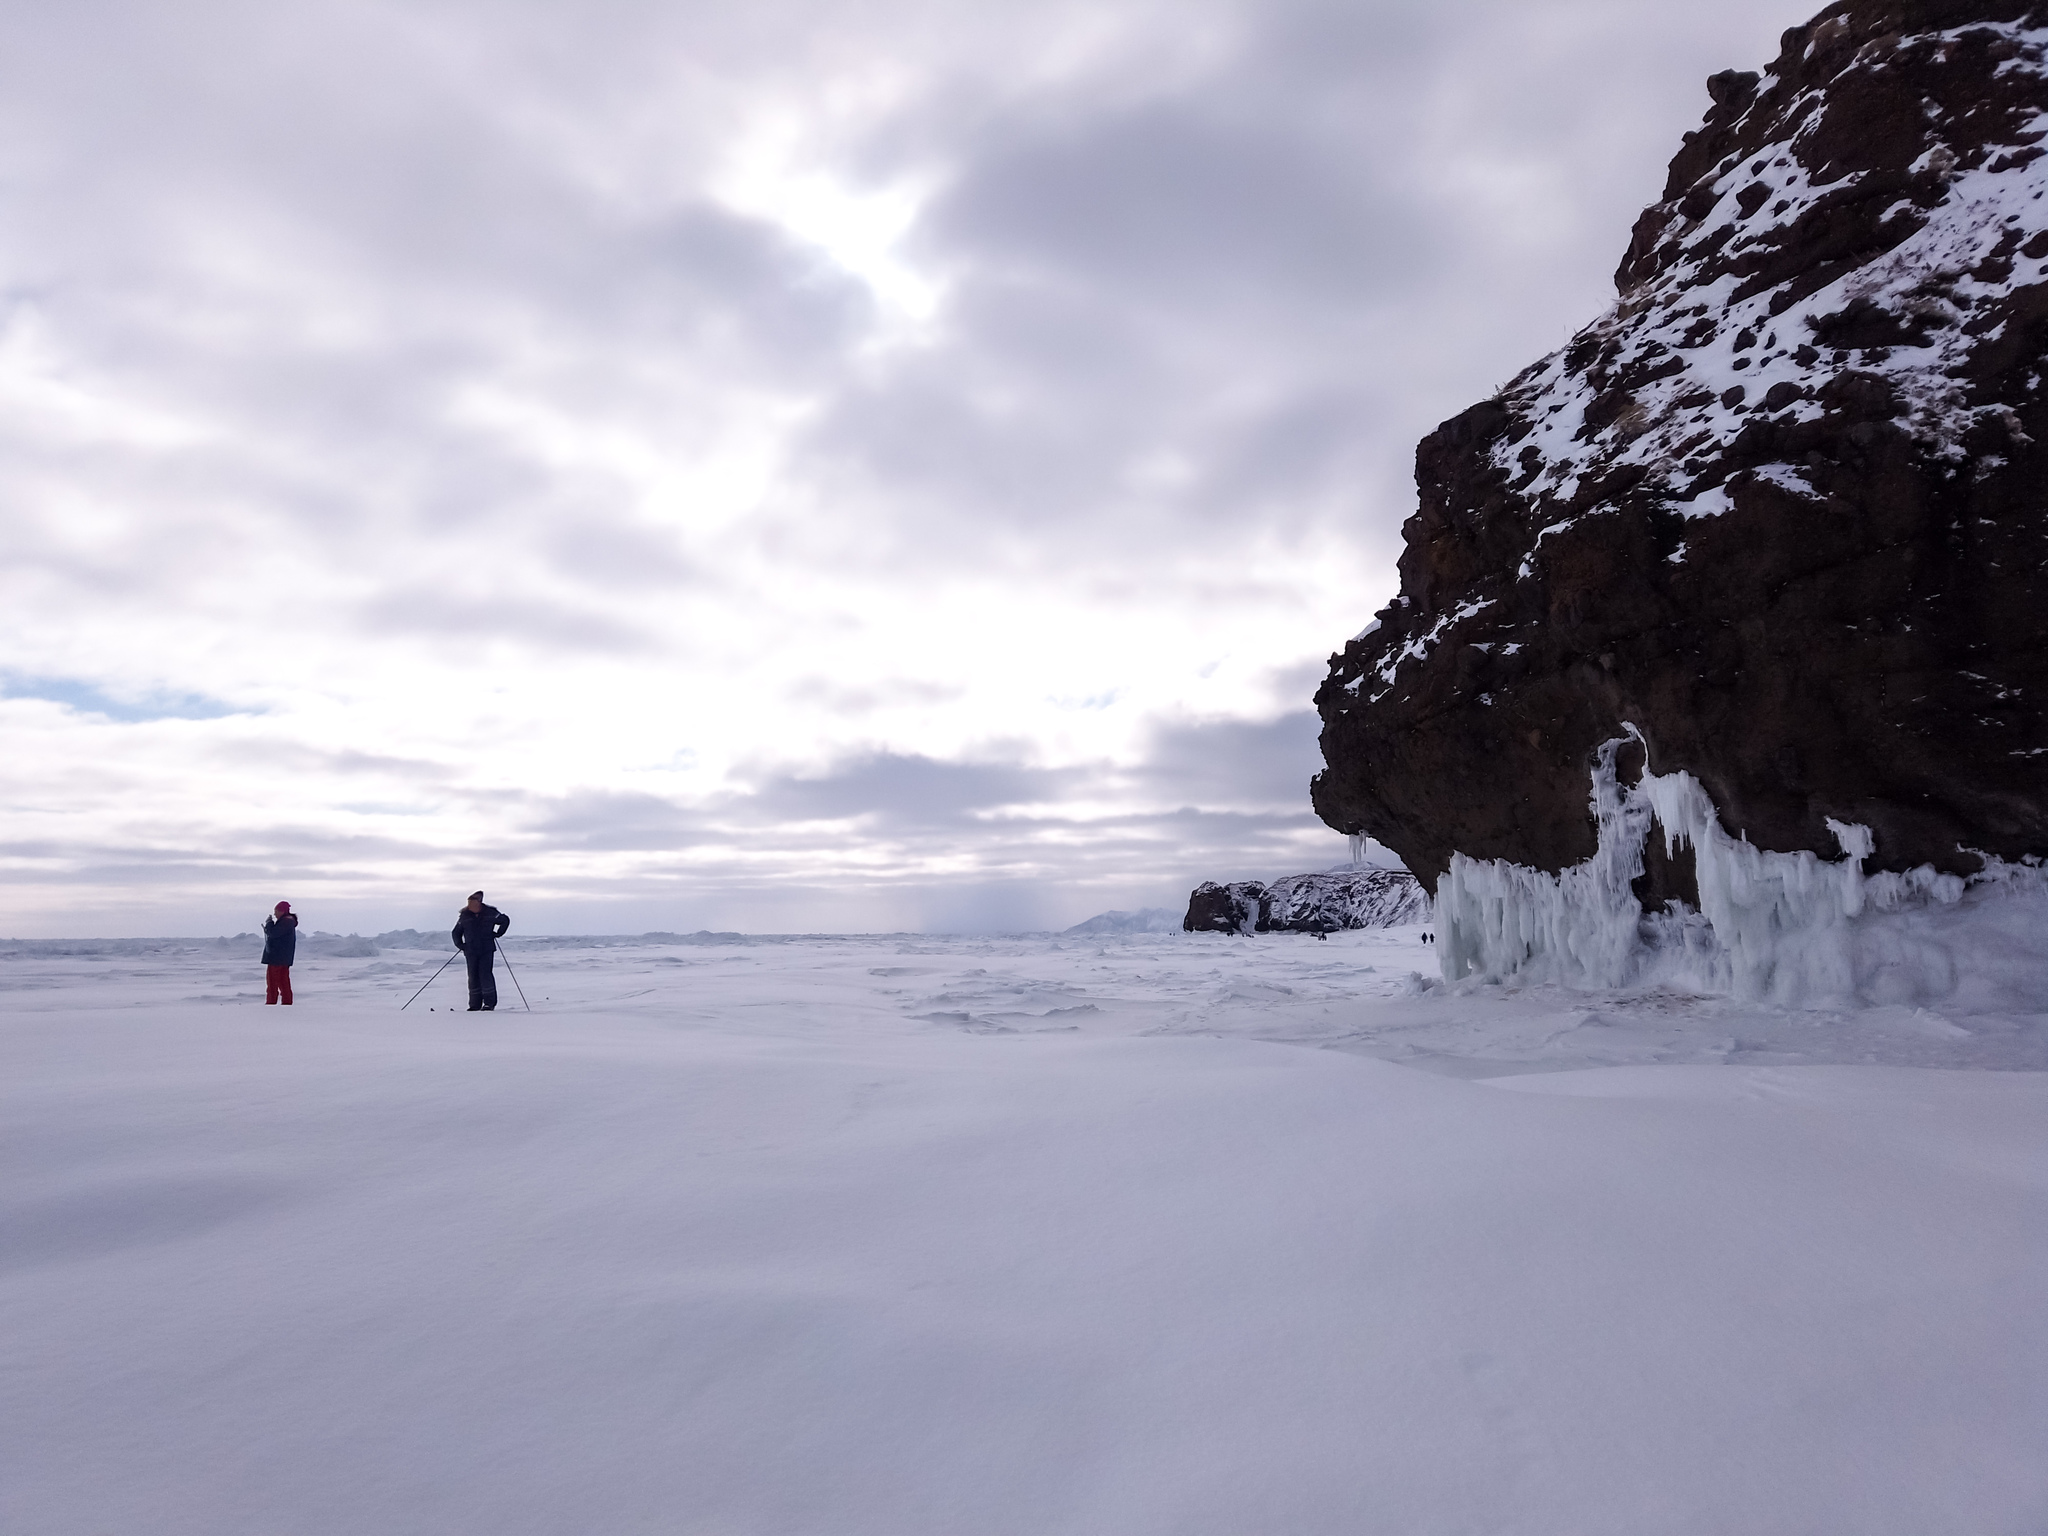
point(784, 466)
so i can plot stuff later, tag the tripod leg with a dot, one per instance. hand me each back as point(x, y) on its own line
point(514, 975)
point(427, 983)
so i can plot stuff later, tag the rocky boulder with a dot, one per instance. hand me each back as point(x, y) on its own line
point(1324, 903)
point(1783, 509)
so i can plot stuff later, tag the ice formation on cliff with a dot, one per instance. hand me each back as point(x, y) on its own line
point(1785, 928)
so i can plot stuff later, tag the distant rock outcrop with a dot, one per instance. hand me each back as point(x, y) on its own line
point(1783, 510)
point(1326, 903)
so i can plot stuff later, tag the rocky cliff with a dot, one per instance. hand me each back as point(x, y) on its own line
point(1783, 510)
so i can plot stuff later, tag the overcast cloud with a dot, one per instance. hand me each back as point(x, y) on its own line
point(785, 466)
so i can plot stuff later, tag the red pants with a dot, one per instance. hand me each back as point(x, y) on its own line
point(277, 984)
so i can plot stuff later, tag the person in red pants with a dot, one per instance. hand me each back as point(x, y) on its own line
point(280, 943)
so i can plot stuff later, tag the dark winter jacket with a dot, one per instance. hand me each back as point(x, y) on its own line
point(280, 939)
point(476, 933)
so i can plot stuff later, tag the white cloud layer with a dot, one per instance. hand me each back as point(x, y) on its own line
point(777, 467)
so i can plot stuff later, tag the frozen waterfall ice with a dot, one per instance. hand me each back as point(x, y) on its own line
point(1785, 928)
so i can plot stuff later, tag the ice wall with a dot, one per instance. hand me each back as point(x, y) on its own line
point(1785, 928)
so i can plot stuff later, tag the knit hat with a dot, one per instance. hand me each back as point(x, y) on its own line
point(282, 906)
point(476, 895)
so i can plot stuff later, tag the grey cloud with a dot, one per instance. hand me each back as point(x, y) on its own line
point(1123, 256)
point(428, 237)
point(512, 616)
point(611, 821)
point(1233, 763)
point(840, 698)
point(282, 852)
point(1313, 446)
point(1173, 202)
point(906, 789)
point(1265, 269)
point(1205, 786)
point(1123, 273)
point(613, 555)
point(284, 756)
point(731, 275)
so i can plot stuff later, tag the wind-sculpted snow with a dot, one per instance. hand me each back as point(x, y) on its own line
point(1783, 507)
point(902, 1236)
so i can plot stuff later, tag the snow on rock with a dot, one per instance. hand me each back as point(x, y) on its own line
point(1329, 902)
point(1785, 506)
point(1783, 928)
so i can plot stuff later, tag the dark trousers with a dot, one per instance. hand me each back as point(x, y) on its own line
point(277, 984)
point(483, 986)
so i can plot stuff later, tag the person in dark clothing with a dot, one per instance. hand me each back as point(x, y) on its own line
point(280, 944)
point(476, 933)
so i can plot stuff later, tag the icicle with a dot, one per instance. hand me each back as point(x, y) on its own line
point(1772, 927)
point(1782, 918)
point(1578, 927)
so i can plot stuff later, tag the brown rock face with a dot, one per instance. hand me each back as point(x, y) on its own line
point(1785, 508)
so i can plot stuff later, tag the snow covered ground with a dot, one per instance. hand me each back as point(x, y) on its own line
point(1125, 1234)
